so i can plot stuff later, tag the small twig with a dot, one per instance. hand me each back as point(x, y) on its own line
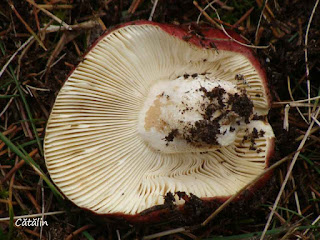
point(243, 17)
point(295, 157)
point(10, 129)
point(33, 201)
point(26, 26)
point(281, 219)
point(55, 6)
point(78, 231)
point(20, 187)
point(306, 55)
point(259, 2)
point(17, 166)
point(134, 5)
point(84, 25)
point(50, 14)
point(224, 5)
point(35, 13)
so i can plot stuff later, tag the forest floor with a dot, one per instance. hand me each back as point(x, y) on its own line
point(37, 53)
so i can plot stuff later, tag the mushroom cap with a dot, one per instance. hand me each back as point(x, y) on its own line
point(103, 155)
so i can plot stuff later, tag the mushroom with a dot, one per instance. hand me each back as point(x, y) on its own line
point(156, 109)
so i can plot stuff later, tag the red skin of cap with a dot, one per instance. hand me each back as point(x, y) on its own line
point(203, 37)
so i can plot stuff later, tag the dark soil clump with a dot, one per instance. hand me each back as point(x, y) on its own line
point(216, 92)
point(205, 131)
point(171, 135)
point(241, 105)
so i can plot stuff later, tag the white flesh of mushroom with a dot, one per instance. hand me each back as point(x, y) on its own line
point(176, 105)
point(103, 155)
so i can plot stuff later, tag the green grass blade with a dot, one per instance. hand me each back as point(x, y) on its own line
point(8, 96)
point(32, 163)
point(11, 222)
point(311, 163)
point(29, 143)
point(26, 105)
point(87, 235)
point(285, 209)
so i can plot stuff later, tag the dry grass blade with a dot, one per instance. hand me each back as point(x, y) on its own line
point(224, 30)
point(153, 10)
point(295, 157)
point(313, 223)
point(50, 14)
point(295, 101)
point(27, 26)
point(306, 55)
point(291, 96)
point(15, 54)
point(260, 19)
point(203, 11)
point(164, 233)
